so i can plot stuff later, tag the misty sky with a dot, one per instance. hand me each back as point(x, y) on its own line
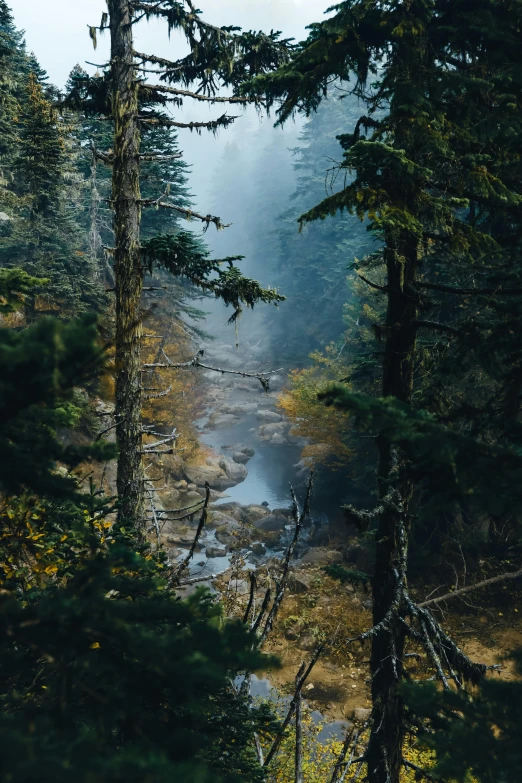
point(56, 30)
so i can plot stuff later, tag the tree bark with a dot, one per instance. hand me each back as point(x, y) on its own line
point(388, 733)
point(127, 268)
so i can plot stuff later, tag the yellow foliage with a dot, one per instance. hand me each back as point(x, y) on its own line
point(327, 428)
point(184, 402)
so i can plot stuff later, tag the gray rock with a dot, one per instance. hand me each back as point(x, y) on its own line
point(193, 495)
point(240, 458)
point(242, 409)
point(219, 519)
point(4, 217)
point(268, 416)
point(361, 714)
point(192, 487)
point(214, 551)
point(258, 548)
point(265, 503)
point(277, 439)
point(268, 430)
point(322, 556)
point(219, 472)
point(234, 472)
point(271, 524)
point(220, 422)
point(299, 582)
point(252, 514)
point(232, 509)
point(228, 540)
point(282, 512)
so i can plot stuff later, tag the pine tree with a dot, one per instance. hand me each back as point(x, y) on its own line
point(218, 57)
point(43, 236)
point(106, 673)
point(431, 175)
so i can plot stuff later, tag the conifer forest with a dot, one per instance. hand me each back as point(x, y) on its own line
point(261, 391)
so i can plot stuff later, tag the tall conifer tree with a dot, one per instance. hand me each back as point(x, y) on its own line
point(218, 57)
point(432, 178)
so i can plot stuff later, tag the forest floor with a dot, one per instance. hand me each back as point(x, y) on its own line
point(487, 625)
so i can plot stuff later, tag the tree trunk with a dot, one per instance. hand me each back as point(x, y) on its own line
point(387, 738)
point(127, 264)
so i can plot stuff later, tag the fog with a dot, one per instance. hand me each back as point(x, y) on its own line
point(247, 175)
point(57, 33)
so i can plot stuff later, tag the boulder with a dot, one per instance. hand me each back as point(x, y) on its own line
point(361, 714)
point(220, 422)
point(231, 509)
point(322, 556)
point(319, 535)
point(277, 439)
point(240, 458)
point(282, 512)
point(268, 416)
point(240, 410)
point(193, 495)
point(268, 430)
point(219, 519)
point(229, 540)
point(258, 548)
point(219, 472)
point(252, 514)
point(299, 582)
point(214, 551)
point(271, 524)
point(192, 487)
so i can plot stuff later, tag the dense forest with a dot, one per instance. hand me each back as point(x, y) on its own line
point(281, 545)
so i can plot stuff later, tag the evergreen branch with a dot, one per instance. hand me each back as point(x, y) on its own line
point(167, 64)
point(200, 96)
point(157, 10)
point(212, 125)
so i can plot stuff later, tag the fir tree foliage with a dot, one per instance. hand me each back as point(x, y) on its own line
point(106, 673)
point(474, 734)
point(432, 164)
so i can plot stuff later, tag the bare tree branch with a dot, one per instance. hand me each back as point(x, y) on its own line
point(470, 588)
